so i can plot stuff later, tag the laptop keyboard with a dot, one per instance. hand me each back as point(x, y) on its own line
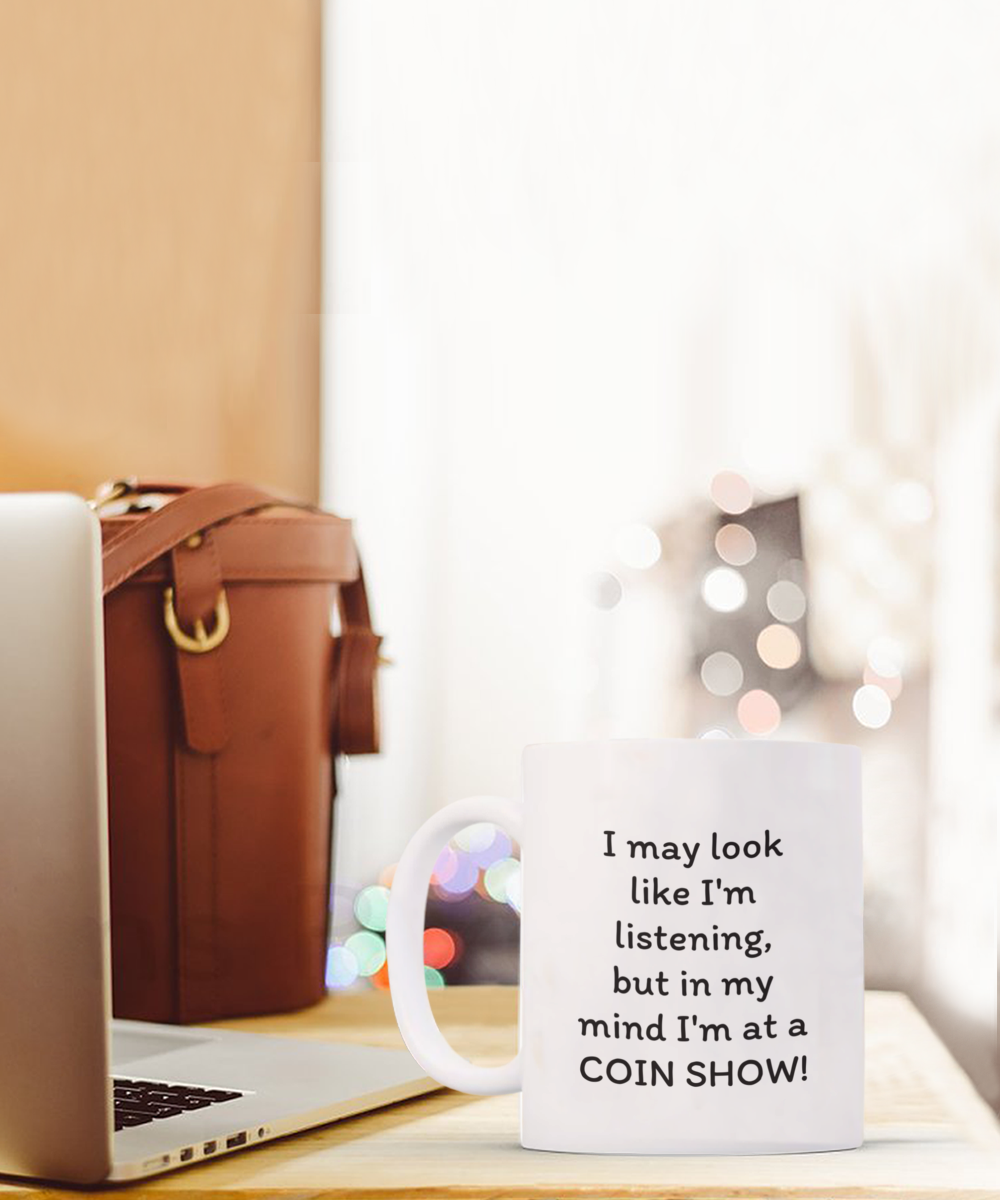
point(139, 1101)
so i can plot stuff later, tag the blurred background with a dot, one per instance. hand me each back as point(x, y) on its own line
point(654, 347)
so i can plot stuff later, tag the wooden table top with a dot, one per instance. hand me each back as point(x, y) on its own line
point(928, 1134)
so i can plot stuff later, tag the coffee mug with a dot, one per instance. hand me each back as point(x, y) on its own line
point(692, 977)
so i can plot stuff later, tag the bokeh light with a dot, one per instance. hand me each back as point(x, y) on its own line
point(731, 492)
point(736, 545)
point(499, 847)
point(721, 673)
point(885, 656)
point(514, 890)
point(872, 706)
point(445, 866)
point(371, 907)
point(758, 712)
point(715, 735)
point(368, 950)
point(892, 685)
point(341, 967)
point(786, 601)
point(481, 858)
point(498, 876)
point(461, 881)
point(439, 947)
point(724, 589)
point(604, 590)
point(779, 647)
point(638, 546)
point(475, 837)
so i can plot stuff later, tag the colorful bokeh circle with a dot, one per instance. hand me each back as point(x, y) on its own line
point(368, 949)
point(341, 967)
point(371, 907)
point(439, 948)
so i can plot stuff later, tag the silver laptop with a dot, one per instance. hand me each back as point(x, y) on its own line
point(83, 1098)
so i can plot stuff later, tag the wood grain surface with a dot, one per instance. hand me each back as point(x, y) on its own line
point(928, 1134)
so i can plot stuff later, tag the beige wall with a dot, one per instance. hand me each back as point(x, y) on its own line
point(159, 241)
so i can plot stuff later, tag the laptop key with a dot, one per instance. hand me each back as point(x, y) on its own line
point(177, 1100)
point(148, 1110)
point(124, 1120)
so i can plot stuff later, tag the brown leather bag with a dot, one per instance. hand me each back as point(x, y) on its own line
point(227, 698)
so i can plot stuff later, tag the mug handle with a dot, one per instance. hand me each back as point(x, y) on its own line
point(405, 947)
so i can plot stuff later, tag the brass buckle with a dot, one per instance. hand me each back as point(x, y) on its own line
point(111, 490)
point(202, 642)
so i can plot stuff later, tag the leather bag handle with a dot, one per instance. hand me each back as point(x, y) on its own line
point(355, 717)
point(355, 724)
point(188, 513)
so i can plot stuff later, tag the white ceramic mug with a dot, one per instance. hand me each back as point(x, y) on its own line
point(691, 947)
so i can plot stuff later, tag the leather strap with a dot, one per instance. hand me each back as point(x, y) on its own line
point(188, 513)
point(355, 725)
point(277, 545)
point(197, 584)
point(355, 710)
